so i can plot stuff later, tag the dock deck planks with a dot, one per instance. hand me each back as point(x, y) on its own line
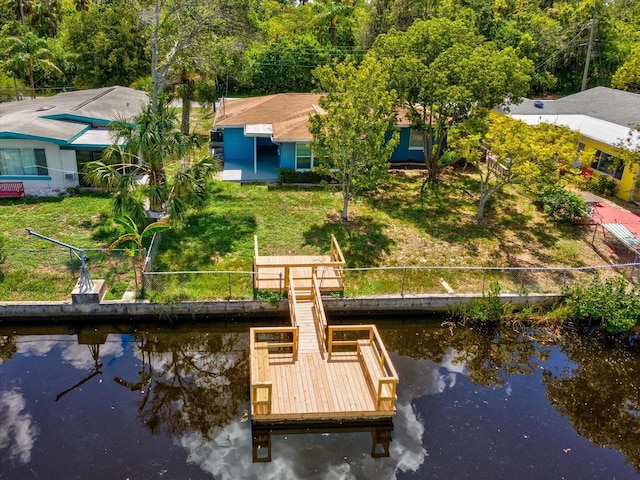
point(311, 385)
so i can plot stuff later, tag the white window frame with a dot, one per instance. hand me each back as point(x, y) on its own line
point(32, 161)
point(412, 133)
point(311, 160)
point(599, 158)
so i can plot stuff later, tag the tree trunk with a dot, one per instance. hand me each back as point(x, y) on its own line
point(31, 81)
point(345, 202)
point(15, 86)
point(481, 204)
point(186, 115)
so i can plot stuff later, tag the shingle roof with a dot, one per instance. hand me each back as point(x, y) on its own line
point(287, 113)
point(63, 117)
point(615, 106)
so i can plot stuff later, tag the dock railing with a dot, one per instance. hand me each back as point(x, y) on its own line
point(263, 340)
point(338, 258)
point(319, 315)
point(274, 272)
point(292, 303)
point(365, 340)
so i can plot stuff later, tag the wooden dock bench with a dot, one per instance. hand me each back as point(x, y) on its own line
point(261, 384)
point(11, 189)
point(382, 386)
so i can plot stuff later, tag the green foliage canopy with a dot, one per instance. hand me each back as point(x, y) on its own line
point(110, 47)
point(356, 136)
point(444, 73)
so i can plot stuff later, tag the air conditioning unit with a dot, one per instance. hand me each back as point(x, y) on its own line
point(69, 175)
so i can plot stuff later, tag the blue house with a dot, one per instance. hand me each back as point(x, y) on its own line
point(256, 136)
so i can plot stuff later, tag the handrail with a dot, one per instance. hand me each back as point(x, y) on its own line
point(292, 301)
point(335, 249)
point(293, 344)
point(389, 375)
point(346, 328)
point(318, 311)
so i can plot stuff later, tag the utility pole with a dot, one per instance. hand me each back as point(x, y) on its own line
point(21, 12)
point(590, 46)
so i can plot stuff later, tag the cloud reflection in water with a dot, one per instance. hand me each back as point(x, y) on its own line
point(229, 454)
point(17, 431)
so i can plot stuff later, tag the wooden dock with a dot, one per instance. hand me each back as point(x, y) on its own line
point(273, 272)
point(311, 371)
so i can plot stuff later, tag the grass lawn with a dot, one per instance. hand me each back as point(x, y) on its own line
point(39, 270)
point(389, 227)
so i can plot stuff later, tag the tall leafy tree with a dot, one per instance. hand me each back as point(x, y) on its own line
point(285, 64)
point(356, 136)
point(110, 45)
point(510, 151)
point(177, 26)
point(627, 77)
point(158, 152)
point(27, 53)
point(445, 73)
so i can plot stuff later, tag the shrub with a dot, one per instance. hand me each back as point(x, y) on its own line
point(602, 185)
point(564, 205)
point(488, 309)
point(289, 175)
point(613, 305)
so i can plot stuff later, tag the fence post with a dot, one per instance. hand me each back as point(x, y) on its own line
point(564, 278)
point(404, 276)
point(484, 278)
point(229, 281)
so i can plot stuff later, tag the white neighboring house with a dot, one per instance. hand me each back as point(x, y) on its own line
point(45, 142)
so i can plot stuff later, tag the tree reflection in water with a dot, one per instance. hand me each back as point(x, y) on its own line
point(190, 381)
point(489, 356)
point(8, 347)
point(604, 411)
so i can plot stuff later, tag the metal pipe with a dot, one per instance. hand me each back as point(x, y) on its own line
point(85, 284)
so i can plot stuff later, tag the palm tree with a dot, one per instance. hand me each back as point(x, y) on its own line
point(133, 236)
point(136, 171)
point(333, 10)
point(26, 53)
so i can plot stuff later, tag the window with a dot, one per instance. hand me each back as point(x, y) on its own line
point(415, 140)
point(23, 161)
point(607, 164)
point(304, 157)
point(580, 147)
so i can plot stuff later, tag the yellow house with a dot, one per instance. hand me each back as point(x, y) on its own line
point(606, 119)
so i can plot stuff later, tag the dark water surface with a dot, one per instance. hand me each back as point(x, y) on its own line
point(161, 403)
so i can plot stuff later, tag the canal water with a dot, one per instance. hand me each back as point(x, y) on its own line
point(125, 402)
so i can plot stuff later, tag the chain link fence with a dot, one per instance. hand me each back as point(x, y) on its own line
point(47, 274)
point(403, 281)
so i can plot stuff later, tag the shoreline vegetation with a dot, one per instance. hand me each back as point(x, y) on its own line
point(389, 227)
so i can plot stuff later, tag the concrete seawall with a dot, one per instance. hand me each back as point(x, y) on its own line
point(141, 309)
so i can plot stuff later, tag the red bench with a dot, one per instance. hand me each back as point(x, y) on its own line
point(11, 189)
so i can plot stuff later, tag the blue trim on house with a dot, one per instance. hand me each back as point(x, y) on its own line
point(24, 177)
point(22, 136)
point(78, 118)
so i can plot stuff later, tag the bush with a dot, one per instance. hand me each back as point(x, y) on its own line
point(602, 185)
point(289, 175)
point(488, 309)
point(613, 305)
point(564, 205)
